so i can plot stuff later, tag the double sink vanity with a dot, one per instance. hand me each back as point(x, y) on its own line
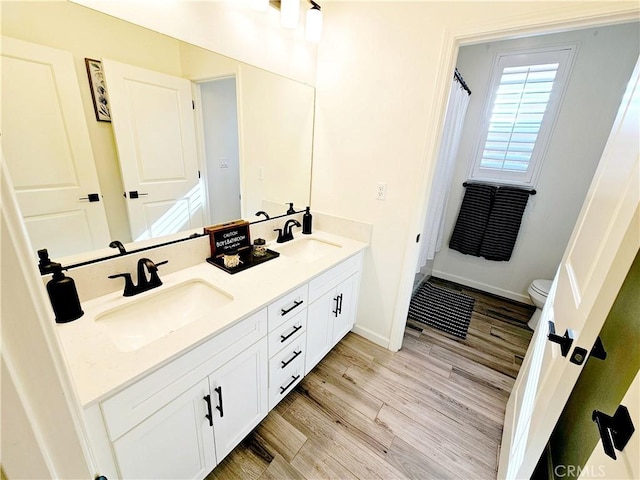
point(172, 379)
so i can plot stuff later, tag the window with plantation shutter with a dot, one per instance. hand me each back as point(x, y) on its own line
point(525, 93)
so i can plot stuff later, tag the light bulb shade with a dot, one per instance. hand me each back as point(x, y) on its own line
point(289, 13)
point(260, 5)
point(313, 28)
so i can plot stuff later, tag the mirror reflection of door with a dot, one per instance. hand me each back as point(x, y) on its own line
point(46, 146)
point(153, 123)
point(218, 109)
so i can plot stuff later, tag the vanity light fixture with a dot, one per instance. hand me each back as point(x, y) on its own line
point(289, 13)
point(313, 28)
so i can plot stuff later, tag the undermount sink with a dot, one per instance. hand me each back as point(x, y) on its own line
point(308, 249)
point(146, 319)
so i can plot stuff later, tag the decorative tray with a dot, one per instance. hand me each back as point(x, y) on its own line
point(247, 260)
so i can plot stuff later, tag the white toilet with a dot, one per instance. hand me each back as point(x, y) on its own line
point(538, 291)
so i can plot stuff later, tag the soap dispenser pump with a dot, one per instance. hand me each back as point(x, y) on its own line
point(307, 218)
point(63, 295)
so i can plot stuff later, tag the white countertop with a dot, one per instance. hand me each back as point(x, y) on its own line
point(99, 368)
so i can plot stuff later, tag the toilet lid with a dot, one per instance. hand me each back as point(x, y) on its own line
point(541, 287)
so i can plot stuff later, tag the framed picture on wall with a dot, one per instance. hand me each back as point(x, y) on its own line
point(98, 89)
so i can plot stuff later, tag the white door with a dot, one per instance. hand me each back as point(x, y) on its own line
point(627, 462)
point(239, 397)
point(45, 142)
point(604, 242)
point(152, 118)
point(175, 442)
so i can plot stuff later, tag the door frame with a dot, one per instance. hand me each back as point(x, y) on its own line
point(561, 19)
point(200, 137)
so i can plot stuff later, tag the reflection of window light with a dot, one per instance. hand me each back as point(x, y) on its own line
point(177, 218)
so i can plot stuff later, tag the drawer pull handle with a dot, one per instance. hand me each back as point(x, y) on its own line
point(219, 406)
point(293, 380)
point(295, 355)
point(208, 416)
point(296, 304)
point(283, 338)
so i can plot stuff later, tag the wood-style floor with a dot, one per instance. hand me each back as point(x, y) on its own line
point(432, 410)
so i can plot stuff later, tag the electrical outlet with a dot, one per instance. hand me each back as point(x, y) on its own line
point(224, 163)
point(381, 191)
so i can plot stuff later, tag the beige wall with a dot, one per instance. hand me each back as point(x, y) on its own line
point(381, 87)
point(228, 27)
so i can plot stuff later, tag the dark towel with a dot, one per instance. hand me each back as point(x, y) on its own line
point(504, 223)
point(472, 219)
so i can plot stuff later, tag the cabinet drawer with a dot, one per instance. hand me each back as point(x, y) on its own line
point(287, 333)
point(130, 406)
point(287, 306)
point(287, 360)
point(329, 279)
point(280, 390)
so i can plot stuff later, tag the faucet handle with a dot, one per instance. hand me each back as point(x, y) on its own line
point(129, 289)
point(155, 279)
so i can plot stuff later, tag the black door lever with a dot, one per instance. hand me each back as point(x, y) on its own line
point(615, 431)
point(565, 341)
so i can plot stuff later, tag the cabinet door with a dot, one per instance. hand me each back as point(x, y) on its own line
point(343, 322)
point(239, 397)
point(174, 442)
point(320, 315)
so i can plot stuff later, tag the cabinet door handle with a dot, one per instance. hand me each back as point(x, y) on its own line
point(295, 355)
point(340, 304)
point(208, 416)
point(283, 338)
point(336, 311)
point(219, 407)
point(296, 304)
point(293, 380)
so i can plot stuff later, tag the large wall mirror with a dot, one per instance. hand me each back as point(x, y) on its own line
point(253, 129)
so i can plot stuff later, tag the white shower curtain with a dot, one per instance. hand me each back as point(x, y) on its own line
point(434, 223)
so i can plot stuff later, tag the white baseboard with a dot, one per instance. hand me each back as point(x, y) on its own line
point(370, 335)
point(518, 297)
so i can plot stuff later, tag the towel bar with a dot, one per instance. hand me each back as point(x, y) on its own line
point(531, 192)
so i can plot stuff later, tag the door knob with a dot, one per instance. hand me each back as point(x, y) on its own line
point(615, 431)
point(565, 341)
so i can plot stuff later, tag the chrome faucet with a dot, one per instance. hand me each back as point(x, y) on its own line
point(144, 283)
point(286, 233)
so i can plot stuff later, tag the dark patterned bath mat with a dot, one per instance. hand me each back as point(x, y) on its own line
point(442, 308)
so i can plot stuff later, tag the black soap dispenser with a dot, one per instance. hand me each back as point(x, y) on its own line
point(307, 218)
point(63, 295)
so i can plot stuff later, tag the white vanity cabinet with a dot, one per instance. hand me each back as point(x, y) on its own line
point(332, 308)
point(183, 419)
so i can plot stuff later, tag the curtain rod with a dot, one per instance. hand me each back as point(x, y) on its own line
point(458, 77)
